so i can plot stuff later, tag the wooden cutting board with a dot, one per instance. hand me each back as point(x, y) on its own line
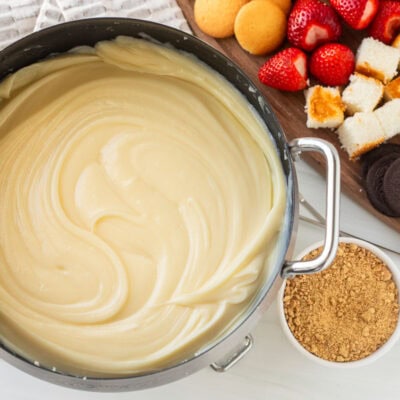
point(289, 109)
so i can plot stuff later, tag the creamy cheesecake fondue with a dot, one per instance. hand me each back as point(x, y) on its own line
point(140, 201)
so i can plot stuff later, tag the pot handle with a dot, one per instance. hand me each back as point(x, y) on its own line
point(297, 267)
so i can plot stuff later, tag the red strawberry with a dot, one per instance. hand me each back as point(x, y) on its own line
point(332, 64)
point(386, 24)
point(286, 70)
point(311, 23)
point(357, 13)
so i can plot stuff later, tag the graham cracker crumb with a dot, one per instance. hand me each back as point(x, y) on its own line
point(347, 311)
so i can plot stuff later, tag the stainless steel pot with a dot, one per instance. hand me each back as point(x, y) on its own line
point(63, 37)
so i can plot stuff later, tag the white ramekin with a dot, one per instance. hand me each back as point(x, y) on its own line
point(349, 364)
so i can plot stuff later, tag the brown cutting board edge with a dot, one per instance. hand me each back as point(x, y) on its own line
point(289, 109)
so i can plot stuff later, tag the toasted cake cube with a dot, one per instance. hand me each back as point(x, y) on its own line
point(396, 42)
point(362, 94)
point(389, 118)
point(324, 107)
point(360, 133)
point(392, 89)
point(377, 60)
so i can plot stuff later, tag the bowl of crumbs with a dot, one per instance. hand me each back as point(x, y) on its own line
point(346, 315)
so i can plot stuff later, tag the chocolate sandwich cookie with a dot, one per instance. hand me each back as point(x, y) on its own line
point(374, 183)
point(391, 186)
point(368, 159)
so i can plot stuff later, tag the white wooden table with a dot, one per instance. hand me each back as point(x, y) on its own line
point(273, 369)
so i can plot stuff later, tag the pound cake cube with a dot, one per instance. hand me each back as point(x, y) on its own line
point(362, 94)
point(392, 89)
point(360, 133)
point(389, 118)
point(396, 42)
point(377, 60)
point(324, 107)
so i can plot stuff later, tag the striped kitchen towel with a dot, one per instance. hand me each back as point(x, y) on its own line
point(21, 17)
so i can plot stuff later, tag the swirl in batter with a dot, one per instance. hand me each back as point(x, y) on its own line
point(140, 201)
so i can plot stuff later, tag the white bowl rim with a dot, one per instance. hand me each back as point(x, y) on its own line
point(348, 364)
